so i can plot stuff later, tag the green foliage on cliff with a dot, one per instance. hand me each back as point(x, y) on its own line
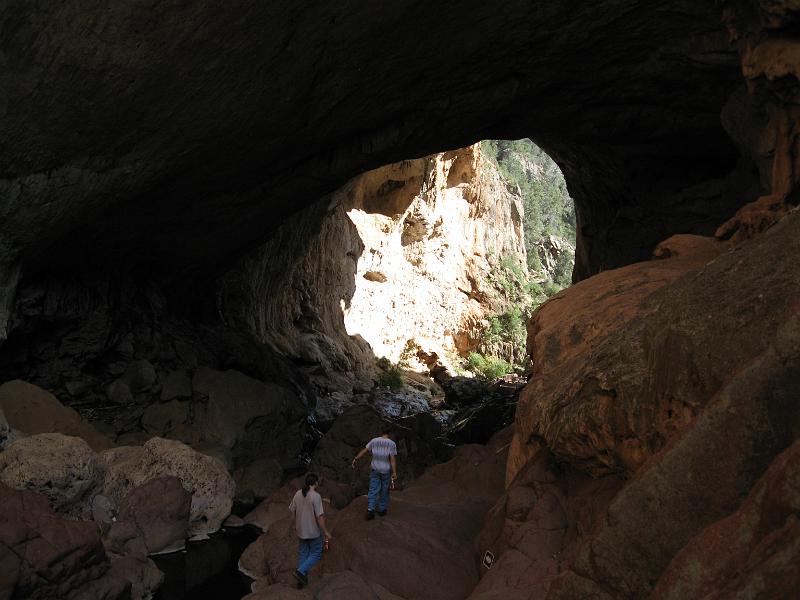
point(549, 210)
point(527, 170)
point(489, 367)
point(391, 376)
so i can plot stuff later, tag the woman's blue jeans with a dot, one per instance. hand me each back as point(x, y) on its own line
point(309, 553)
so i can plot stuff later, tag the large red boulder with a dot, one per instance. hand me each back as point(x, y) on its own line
point(672, 384)
point(429, 530)
point(755, 552)
point(43, 556)
point(159, 510)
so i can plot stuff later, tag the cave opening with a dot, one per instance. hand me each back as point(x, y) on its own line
point(460, 247)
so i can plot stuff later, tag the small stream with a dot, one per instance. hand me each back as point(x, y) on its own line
point(207, 570)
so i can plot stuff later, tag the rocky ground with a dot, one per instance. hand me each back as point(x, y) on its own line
point(644, 420)
point(82, 513)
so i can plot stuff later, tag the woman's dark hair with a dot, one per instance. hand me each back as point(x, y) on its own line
point(311, 479)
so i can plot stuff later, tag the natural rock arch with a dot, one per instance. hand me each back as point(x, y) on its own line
point(177, 137)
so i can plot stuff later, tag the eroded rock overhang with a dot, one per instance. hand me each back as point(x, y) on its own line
point(177, 137)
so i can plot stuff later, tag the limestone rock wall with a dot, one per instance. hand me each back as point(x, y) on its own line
point(396, 260)
point(432, 229)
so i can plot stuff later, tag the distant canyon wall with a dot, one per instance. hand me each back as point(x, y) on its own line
point(398, 259)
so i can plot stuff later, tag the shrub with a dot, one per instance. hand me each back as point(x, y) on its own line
point(489, 367)
point(391, 377)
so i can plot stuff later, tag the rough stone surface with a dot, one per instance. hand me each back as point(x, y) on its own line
point(159, 509)
point(262, 476)
point(205, 478)
point(345, 584)
point(536, 525)
point(429, 532)
point(753, 552)
point(432, 228)
point(63, 469)
point(712, 465)
point(683, 385)
point(177, 385)
point(248, 416)
point(161, 419)
point(43, 556)
point(549, 250)
point(350, 433)
point(268, 512)
point(632, 115)
point(627, 359)
point(31, 409)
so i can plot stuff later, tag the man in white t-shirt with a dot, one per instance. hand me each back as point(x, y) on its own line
point(384, 462)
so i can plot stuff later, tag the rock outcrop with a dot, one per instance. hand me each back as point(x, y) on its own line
point(552, 249)
point(646, 347)
point(61, 468)
point(205, 478)
point(753, 552)
point(251, 418)
point(429, 532)
point(32, 410)
point(432, 230)
point(677, 373)
point(159, 510)
point(43, 556)
point(404, 254)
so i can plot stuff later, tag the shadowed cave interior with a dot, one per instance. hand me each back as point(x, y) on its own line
point(237, 240)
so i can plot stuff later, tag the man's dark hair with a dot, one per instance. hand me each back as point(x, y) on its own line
point(386, 430)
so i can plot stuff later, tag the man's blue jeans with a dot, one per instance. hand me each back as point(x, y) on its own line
point(309, 553)
point(378, 490)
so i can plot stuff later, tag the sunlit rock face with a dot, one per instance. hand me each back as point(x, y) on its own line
point(396, 261)
point(432, 229)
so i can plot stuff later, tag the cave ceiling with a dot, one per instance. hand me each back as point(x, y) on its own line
point(174, 136)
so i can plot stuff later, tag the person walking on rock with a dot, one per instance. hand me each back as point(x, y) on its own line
point(309, 522)
point(384, 462)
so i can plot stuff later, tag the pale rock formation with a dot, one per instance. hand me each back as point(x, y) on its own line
point(403, 254)
point(64, 469)
point(204, 477)
point(549, 250)
point(432, 228)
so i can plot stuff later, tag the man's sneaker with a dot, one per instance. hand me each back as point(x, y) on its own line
point(370, 515)
point(381, 513)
